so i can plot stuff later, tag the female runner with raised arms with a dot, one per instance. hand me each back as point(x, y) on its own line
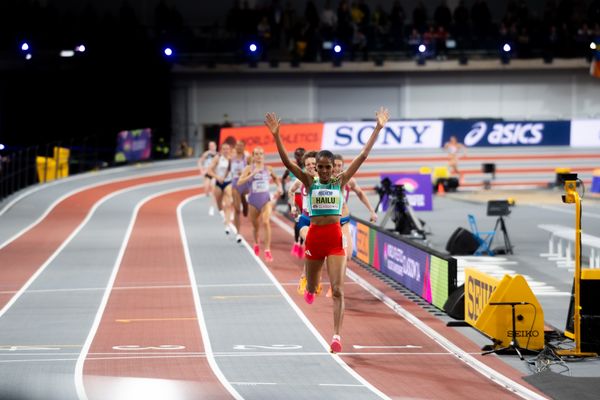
point(325, 239)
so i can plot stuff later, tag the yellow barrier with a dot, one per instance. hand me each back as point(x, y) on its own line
point(478, 290)
point(49, 169)
point(495, 321)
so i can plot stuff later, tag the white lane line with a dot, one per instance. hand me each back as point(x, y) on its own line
point(303, 317)
point(110, 357)
point(87, 218)
point(199, 312)
point(78, 376)
point(69, 194)
point(472, 362)
point(152, 287)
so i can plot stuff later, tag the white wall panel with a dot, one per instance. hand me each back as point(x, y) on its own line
point(303, 98)
point(354, 102)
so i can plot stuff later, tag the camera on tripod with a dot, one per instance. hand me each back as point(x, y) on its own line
point(499, 208)
point(399, 209)
point(386, 188)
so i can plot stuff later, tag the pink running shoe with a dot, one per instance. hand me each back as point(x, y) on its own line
point(300, 252)
point(268, 256)
point(309, 297)
point(257, 250)
point(294, 250)
point(336, 344)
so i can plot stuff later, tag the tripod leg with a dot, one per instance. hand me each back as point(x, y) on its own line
point(507, 242)
point(516, 349)
point(388, 213)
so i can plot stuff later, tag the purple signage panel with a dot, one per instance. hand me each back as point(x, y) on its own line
point(405, 264)
point(417, 187)
point(133, 145)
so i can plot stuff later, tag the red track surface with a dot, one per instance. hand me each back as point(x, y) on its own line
point(140, 313)
point(426, 372)
point(27, 253)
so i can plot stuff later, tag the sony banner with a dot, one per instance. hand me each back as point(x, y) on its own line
point(339, 136)
point(585, 133)
point(495, 133)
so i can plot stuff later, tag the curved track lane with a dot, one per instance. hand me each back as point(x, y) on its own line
point(149, 327)
point(45, 328)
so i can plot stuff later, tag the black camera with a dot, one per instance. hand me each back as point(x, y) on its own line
point(499, 208)
point(387, 188)
point(384, 188)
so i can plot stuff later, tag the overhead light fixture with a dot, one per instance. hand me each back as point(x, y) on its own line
point(67, 53)
point(337, 55)
point(505, 53)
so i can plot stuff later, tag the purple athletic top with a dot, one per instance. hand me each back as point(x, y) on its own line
point(237, 166)
point(259, 188)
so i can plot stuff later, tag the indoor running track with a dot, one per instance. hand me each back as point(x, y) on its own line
point(118, 285)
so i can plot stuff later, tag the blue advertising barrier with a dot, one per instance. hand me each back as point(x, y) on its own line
point(496, 133)
point(426, 272)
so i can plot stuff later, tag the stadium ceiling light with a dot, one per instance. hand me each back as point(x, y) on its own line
point(422, 48)
point(80, 48)
point(506, 48)
point(24, 46)
point(67, 53)
point(593, 46)
point(168, 51)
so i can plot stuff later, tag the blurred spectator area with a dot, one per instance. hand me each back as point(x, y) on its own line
point(305, 30)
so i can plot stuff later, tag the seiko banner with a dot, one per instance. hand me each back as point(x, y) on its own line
point(339, 136)
point(493, 133)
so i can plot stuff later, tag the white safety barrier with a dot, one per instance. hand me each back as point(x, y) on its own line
point(561, 245)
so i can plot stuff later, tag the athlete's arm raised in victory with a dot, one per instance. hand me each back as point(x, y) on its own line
point(382, 117)
point(273, 123)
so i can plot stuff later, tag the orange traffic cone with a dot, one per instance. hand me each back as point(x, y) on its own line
point(440, 189)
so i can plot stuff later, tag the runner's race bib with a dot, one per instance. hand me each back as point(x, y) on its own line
point(260, 186)
point(325, 199)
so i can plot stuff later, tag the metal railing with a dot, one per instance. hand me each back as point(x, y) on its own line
point(23, 167)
